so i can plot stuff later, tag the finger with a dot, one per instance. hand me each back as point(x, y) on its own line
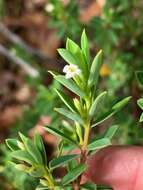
point(120, 167)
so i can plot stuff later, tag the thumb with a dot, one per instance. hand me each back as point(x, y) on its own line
point(120, 167)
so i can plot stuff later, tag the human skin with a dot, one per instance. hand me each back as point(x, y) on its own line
point(120, 167)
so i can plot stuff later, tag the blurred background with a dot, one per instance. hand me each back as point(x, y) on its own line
point(30, 33)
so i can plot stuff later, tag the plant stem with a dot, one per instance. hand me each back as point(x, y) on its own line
point(86, 136)
point(49, 180)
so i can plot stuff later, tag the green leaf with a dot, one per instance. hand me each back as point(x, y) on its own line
point(141, 118)
point(98, 144)
point(96, 104)
point(70, 115)
point(104, 117)
point(40, 146)
point(72, 46)
point(140, 103)
point(70, 85)
point(67, 101)
point(76, 51)
point(139, 75)
point(118, 106)
point(41, 187)
point(59, 134)
point(30, 147)
point(23, 156)
point(23, 137)
point(94, 70)
point(72, 175)
point(68, 56)
point(85, 46)
point(12, 144)
point(111, 131)
point(89, 186)
point(62, 160)
point(37, 172)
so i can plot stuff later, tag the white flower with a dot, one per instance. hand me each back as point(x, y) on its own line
point(71, 70)
point(49, 8)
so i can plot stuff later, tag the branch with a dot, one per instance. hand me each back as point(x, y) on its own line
point(24, 65)
point(17, 40)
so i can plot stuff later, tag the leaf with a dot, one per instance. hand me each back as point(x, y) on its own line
point(37, 172)
point(103, 117)
point(12, 144)
point(59, 134)
point(33, 151)
point(23, 138)
point(94, 70)
point(111, 131)
point(141, 118)
point(41, 187)
point(67, 101)
point(115, 108)
point(70, 85)
point(76, 51)
point(85, 46)
point(89, 186)
point(72, 46)
point(23, 156)
point(98, 144)
point(68, 56)
point(140, 103)
point(62, 160)
point(119, 105)
point(70, 115)
point(96, 104)
point(40, 146)
point(72, 175)
point(139, 75)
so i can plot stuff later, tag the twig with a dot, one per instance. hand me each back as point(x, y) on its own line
point(24, 65)
point(17, 40)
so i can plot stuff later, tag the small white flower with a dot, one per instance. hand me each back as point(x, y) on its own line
point(49, 8)
point(71, 70)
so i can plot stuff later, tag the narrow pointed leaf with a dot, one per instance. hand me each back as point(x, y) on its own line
point(12, 144)
point(41, 187)
point(70, 115)
point(103, 117)
point(111, 131)
point(23, 156)
point(98, 144)
point(85, 46)
point(94, 70)
point(67, 56)
point(70, 85)
point(72, 175)
point(119, 105)
point(89, 186)
point(141, 118)
point(96, 104)
point(62, 160)
point(67, 101)
point(23, 137)
point(32, 150)
point(77, 52)
point(72, 46)
point(40, 146)
point(59, 134)
point(37, 172)
point(140, 103)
